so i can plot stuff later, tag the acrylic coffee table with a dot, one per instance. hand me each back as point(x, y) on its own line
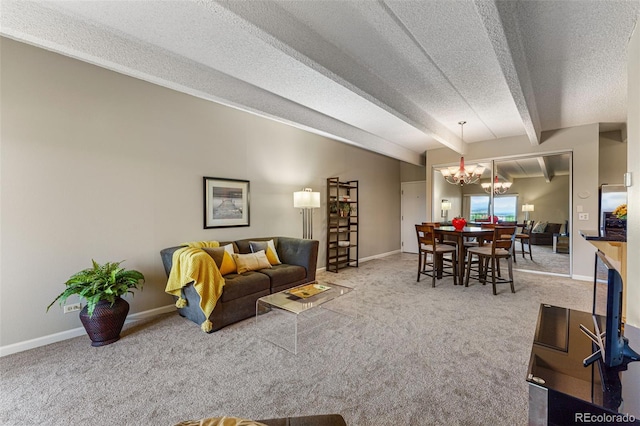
point(290, 310)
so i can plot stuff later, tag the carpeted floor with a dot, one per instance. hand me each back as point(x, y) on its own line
point(544, 260)
point(414, 355)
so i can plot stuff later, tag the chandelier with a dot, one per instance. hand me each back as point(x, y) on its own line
point(461, 176)
point(498, 187)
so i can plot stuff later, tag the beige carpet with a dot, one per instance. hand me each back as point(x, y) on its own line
point(544, 260)
point(415, 355)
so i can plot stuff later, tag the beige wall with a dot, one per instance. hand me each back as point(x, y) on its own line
point(582, 141)
point(99, 165)
point(613, 158)
point(633, 195)
point(412, 173)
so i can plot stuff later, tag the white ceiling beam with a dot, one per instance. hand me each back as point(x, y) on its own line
point(504, 176)
point(502, 29)
point(276, 27)
point(545, 168)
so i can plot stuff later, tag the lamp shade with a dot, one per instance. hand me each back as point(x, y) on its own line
point(306, 199)
point(446, 205)
point(527, 207)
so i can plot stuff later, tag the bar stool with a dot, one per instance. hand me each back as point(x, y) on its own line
point(523, 236)
point(428, 246)
point(489, 257)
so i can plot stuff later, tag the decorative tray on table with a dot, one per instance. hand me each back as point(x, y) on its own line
point(308, 290)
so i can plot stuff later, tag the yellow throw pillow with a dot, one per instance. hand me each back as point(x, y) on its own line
point(269, 248)
point(228, 264)
point(223, 256)
point(251, 261)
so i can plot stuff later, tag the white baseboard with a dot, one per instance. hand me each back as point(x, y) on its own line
point(554, 274)
point(70, 334)
point(381, 255)
point(366, 259)
point(573, 277)
point(582, 277)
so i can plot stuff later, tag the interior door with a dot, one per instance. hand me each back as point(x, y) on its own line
point(413, 210)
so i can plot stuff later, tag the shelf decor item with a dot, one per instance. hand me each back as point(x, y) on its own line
point(345, 209)
point(101, 286)
point(459, 223)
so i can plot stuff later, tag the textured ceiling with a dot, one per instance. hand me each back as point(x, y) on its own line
point(394, 77)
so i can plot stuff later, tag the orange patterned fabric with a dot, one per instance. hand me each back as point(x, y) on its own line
point(220, 421)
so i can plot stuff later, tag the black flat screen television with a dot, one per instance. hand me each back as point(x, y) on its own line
point(611, 345)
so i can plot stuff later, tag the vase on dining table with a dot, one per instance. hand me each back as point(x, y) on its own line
point(459, 223)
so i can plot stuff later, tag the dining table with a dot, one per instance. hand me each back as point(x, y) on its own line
point(460, 235)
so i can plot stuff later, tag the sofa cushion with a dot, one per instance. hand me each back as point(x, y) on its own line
point(284, 274)
point(239, 285)
point(233, 244)
point(268, 247)
point(539, 227)
point(223, 256)
point(251, 261)
point(553, 228)
point(244, 246)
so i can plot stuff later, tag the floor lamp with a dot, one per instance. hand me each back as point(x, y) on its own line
point(307, 200)
point(526, 208)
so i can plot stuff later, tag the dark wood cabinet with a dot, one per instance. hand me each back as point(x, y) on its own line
point(562, 391)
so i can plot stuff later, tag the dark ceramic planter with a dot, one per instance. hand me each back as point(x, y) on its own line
point(105, 325)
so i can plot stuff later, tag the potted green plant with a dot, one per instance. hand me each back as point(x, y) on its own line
point(101, 286)
point(345, 209)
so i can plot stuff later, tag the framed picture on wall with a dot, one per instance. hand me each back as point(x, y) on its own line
point(226, 202)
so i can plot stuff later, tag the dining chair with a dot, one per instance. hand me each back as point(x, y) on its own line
point(442, 238)
point(432, 253)
point(523, 237)
point(489, 256)
point(473, 265)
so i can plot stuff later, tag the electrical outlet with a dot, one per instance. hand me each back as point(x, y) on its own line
point(583, 216)
point(73, 307)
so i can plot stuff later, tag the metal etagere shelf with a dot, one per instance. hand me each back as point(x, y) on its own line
point(342, 224)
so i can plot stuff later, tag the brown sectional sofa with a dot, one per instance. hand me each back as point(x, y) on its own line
point(238, 300)
point(545, 238)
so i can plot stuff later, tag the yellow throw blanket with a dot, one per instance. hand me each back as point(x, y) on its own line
point(191, 263)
